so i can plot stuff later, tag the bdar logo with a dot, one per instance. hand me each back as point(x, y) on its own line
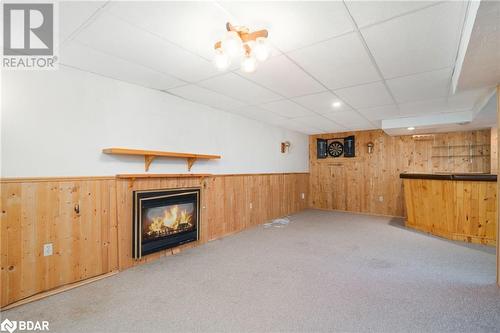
point(8, 325)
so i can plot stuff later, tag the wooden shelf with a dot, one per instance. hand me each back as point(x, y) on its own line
point(150, 155)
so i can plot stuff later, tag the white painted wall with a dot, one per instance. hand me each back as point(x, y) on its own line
point(56, 123)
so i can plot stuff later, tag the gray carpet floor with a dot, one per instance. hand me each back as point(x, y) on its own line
point(325, 271)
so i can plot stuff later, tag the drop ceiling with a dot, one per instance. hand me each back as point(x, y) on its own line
point(381, 60)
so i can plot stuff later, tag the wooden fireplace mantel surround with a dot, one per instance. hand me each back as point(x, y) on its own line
point(132, 177)
point(150, 155)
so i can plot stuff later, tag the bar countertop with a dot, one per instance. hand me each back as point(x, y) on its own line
point(485, 177)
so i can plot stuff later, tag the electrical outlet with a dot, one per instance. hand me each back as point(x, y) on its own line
point(47, 249)
point(381, 198)
point(303, 196)
point(251, 206)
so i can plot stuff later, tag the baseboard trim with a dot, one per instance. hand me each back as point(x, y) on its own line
point(57, 290)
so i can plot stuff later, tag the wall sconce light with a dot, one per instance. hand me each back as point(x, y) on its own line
point(285, 147)
point(370, 146)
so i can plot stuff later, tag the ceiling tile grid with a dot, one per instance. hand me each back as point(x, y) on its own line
point(237, 87)
point(292, 24)
point(422, 41)
point(287, 109)
point(113, 67)
point(272, 72)
point(322, 103)
point(204, 96)
point(366, 95)
point(338, 62)
point(380, 60)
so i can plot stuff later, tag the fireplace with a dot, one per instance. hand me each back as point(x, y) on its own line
point(164, 219)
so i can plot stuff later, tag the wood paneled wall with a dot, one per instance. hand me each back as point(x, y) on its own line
point(97, 239)
point(370, 183)
point(35, 213)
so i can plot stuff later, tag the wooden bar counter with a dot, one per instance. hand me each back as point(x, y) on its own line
point(454, 206)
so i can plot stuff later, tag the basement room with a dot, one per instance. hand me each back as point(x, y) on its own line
point(249, 166)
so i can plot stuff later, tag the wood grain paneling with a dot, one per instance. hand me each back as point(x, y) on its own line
point(459, 210)
point(370, 183)
point(97, 240)
point(37, 213)
point(494, 150)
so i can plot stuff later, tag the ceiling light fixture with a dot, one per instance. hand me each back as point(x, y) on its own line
point(221, 60)
point(411, 128)
point(248, 64)
point(240, 41)
point(336, 104)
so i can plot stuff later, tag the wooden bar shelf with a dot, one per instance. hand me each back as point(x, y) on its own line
point(150, 155)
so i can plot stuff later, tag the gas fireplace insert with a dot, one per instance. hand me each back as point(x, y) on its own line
point(163, 219)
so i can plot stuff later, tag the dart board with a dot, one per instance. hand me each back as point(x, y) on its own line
point(335, 149)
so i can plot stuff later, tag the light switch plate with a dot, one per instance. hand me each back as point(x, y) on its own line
point(303, 195)
point(47, 249)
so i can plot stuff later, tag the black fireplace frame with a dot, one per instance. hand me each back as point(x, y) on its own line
point(138, 248)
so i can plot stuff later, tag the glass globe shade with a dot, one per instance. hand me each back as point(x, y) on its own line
point(232, 44)
point(221, 60)
point(248, 64)
point(261, 49)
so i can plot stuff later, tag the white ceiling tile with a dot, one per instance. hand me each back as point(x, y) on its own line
point(428, 85)
point(204, 96)
point(321, 123)
point(195, 26)
point(366, 96)
point(294, 125)
point(337, 63)
point(369, 12)
point(422, 41)
point(322, 102)
point(115, 36)
point(73, 14)
point(380, 112)
point(348, 119)
point(81, 57)
point(364, 127)
point(281, 75)
point(469, 98)
point(286, 109)
point(292, 24)
point(256, 113)
point(423, 107)
point(235, 86)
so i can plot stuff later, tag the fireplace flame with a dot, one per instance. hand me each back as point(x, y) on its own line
point(171, 221)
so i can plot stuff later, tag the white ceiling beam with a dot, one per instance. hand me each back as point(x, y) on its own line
point(470, 18)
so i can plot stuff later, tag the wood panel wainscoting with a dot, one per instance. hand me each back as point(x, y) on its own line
point(88, 221)
point(453, 209)
point(369, 183)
